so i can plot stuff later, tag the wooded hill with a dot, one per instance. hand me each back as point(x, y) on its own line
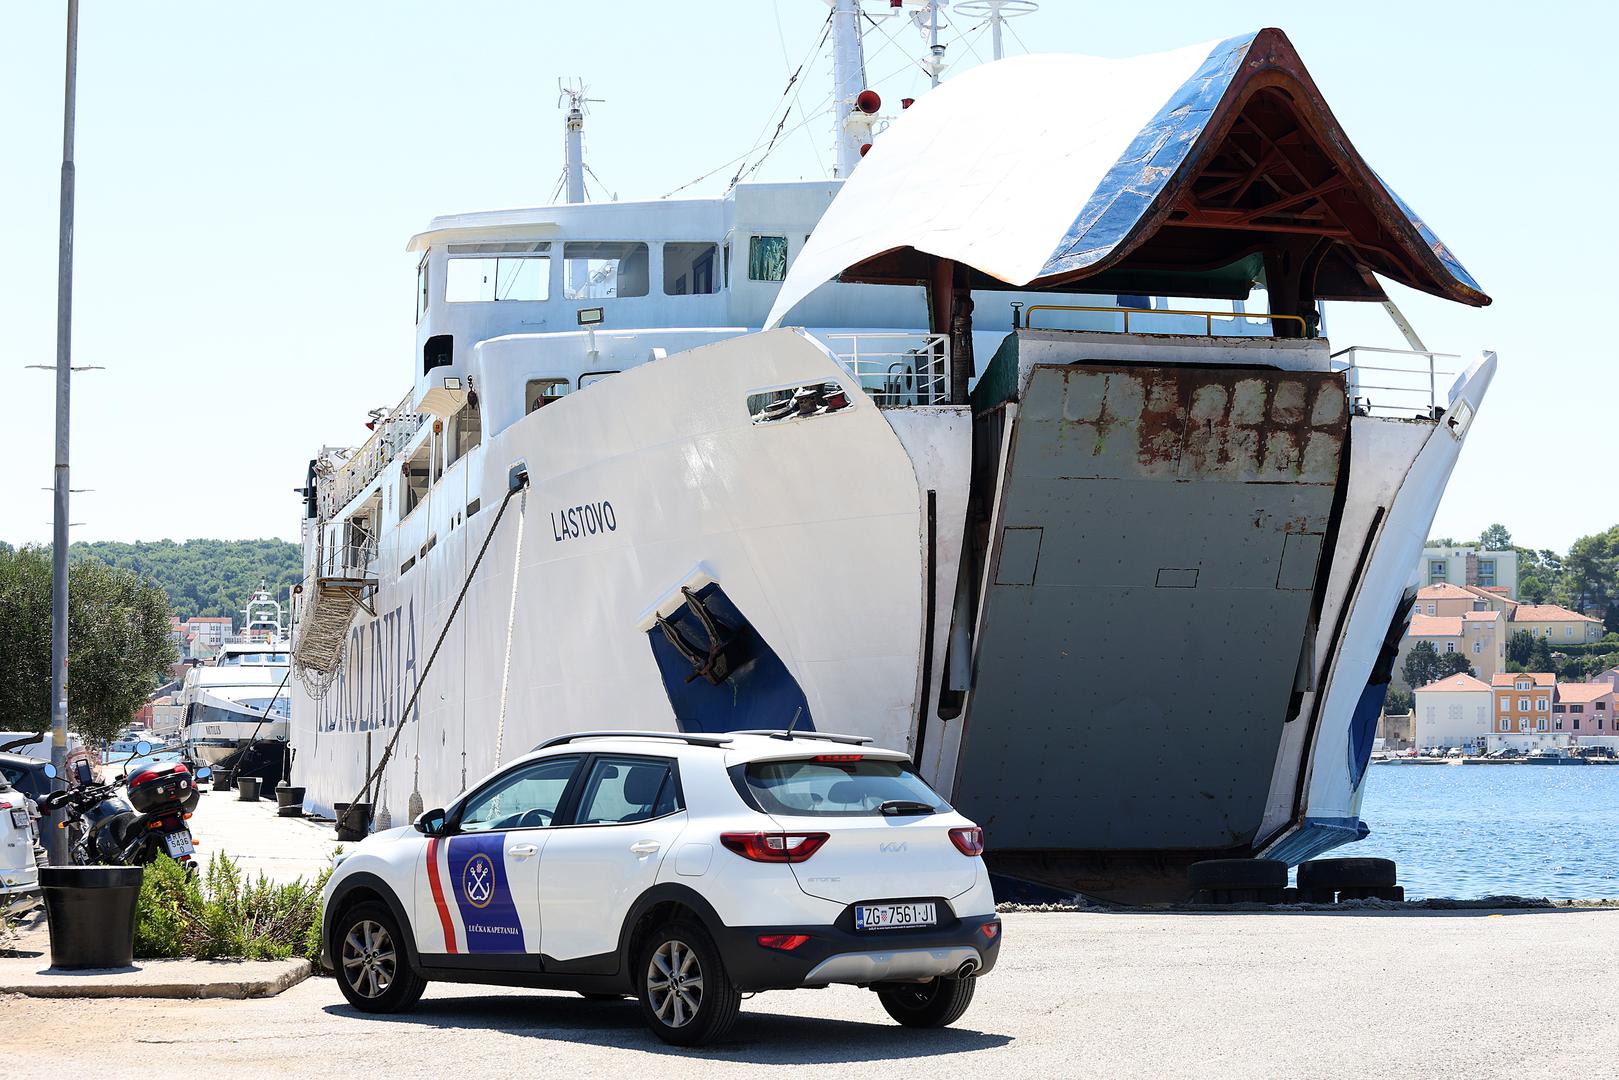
point(205, 577)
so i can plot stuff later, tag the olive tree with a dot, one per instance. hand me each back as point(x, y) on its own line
point(119, 647)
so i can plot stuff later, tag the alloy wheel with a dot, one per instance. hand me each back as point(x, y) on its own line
point(370, 961)
point(674, 982)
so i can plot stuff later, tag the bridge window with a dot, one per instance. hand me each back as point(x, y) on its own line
point(421, 288)
point(688, 269)
point(767, 258)
point(482, 278)
point(539, 393)
point(602, 270)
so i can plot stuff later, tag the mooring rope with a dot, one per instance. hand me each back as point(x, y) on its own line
point(346, 816)
point(511, 622)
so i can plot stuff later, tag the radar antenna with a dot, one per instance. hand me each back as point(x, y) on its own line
point(997, 11)
point(575, 93)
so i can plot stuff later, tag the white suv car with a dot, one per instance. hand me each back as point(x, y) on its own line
point(683, 869)
point(19, 871)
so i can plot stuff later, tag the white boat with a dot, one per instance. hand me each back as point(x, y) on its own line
point(242, 695)
point(925, 454)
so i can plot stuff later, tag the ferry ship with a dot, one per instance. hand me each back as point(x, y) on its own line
point(240, 695)
point(974, 449)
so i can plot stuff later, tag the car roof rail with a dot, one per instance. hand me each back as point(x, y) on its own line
point(825, 736)
point(692, 738)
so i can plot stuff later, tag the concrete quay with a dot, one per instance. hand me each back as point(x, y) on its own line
point(1394, 992)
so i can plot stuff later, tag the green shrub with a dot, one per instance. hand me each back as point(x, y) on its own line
point(225, 915)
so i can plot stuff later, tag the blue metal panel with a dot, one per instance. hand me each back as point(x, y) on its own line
point(1146, 165)
point(758, 692)
point(1315, 836)
point(1158, 152)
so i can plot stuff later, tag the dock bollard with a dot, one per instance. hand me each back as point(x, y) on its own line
point(289, 800)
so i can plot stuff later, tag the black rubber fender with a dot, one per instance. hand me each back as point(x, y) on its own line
point(1334, 874)
point(1228, 874)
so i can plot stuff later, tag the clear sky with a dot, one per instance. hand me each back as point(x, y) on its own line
point(248, 174)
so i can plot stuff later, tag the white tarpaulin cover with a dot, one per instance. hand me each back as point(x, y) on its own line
point(1037, 166)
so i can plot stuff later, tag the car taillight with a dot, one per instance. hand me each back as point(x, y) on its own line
point(784, 942)
point(969, 841)
point(839, 757)
point(775, 846)
point(990, 930)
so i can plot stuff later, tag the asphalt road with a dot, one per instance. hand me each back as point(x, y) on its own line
point(1464, 994)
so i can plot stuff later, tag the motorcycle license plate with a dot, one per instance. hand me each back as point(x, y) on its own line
point(19, 818)
point(178, 843)
point(894, 916)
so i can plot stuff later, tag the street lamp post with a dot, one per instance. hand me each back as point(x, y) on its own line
point(56, 839)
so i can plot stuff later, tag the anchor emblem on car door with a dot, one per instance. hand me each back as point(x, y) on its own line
point(478, 881)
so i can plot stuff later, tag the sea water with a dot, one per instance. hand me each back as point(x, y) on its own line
point(1467, 831)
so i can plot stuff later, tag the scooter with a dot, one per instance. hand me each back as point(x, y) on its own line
point(133, 819)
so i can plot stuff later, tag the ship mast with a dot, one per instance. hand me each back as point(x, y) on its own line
point(848, 79)
point(573, 155)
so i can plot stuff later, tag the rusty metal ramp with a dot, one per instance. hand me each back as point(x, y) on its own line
point(1151, 576)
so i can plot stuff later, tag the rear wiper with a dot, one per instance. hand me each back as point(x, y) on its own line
point(904, 807)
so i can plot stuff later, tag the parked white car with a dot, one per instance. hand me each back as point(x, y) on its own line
point(685, 870)
point(19, 870)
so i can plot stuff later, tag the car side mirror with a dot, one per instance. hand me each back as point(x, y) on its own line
point(430, 822)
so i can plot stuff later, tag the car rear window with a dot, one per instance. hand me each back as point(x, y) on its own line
point(852, 788)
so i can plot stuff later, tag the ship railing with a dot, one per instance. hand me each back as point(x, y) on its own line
point(897, 368)
point(353, 558)
point(1181, 321)
point(1396, 382)
point(393, 432)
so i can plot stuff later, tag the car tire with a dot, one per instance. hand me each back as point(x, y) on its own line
point(370, 962)
point(929, 1005)
point(673, 957)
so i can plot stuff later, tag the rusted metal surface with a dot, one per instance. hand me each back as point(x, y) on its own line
point(1191, 423)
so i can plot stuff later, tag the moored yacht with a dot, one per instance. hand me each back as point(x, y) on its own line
point(241, 695)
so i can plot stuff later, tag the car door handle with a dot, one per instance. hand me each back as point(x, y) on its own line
point(645, 847)
point(522, 851)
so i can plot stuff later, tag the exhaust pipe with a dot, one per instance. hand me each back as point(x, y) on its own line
point(965, 971)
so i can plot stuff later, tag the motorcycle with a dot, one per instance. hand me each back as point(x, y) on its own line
point(133, 819)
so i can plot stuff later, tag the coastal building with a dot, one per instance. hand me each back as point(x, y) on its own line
point(1470, 565)
point(1584, 709)
point(205, 634)
point(1479, 635)
point(1523, 702)
point(1455, 711)
point(1558, 625)
point(1532, 709)
point(1448, 599)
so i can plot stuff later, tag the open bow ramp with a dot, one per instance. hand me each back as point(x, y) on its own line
point(1185, 550)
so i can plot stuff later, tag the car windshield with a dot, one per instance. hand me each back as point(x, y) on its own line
point(840, 785)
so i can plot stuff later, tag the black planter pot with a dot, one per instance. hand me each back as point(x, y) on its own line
point(353, 821)
point(289, 801)
point(92, 914)
point(247, 789)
